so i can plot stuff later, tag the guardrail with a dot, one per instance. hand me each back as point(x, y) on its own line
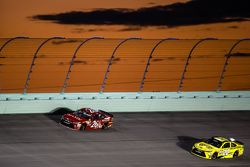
point(126, 101)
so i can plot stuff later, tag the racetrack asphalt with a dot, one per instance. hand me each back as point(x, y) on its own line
point(135, 140)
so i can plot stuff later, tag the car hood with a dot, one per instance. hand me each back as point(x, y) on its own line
point(73, 118)
point(204, 146)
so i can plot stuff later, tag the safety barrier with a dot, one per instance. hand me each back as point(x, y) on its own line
point(126, 75)
point(58, 65)
point(126, 101)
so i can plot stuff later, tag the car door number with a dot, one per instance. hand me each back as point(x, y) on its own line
point(96, 125)
point(224, 152)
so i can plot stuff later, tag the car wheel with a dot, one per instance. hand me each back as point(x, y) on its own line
point(236, 153)
point(215, 156)
point(105, 126)
point(83, 127)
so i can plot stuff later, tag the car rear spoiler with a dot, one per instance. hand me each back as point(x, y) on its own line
point(239, 142)
point(106, 113)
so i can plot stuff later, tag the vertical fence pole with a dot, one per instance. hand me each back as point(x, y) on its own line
point(65, 83)
point(226, 63)
point(110, 61)
point(187, 61)
point(33, 62)
point(149, 59)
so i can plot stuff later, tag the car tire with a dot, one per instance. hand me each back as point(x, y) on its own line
point(215, 155)
point(83, 127)
point(236, 154)
point(105, 126)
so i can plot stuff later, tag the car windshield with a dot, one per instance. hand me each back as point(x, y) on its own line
point(82, 114)
point(214, 142)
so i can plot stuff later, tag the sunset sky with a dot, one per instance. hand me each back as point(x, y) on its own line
point(125, 18)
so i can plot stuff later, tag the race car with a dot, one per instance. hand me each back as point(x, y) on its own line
point(87, 119)
point(218, 148)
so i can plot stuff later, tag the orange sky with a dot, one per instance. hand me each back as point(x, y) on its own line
point(15, 21)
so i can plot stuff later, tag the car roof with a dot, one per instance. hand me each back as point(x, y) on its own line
point(221, 139)
point(90, 110)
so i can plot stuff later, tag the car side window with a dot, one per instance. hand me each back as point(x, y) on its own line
point(233, 145)
point(226, 145)
point(101, 116)
point(98, 116)
point(95, 117)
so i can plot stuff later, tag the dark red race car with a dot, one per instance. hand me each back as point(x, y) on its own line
point(87, 119)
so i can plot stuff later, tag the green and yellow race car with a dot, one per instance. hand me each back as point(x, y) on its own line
point(218, 148)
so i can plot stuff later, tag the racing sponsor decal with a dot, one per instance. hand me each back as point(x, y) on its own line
point(224, 152)
point(96, 124)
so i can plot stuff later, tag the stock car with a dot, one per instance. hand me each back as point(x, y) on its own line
point(87, 119)
point(218, 148)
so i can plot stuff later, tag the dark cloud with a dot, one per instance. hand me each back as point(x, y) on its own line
point(155, 60)
point(63, 42)
point(160, 59)
point(62, 63)
point(94, 29)
point(116, 59)
point(238, 54)
point(151, 3)
point(233, 27)
point(131, 28)
point(75, 62)
point(81, 30)
point(80, 62)
point(178, 14)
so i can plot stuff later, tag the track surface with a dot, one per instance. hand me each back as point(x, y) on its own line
point(137, 139)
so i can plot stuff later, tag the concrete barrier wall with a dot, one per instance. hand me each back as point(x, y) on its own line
point(126, 102)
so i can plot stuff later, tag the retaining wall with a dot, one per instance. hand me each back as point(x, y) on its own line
point(126, 102)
